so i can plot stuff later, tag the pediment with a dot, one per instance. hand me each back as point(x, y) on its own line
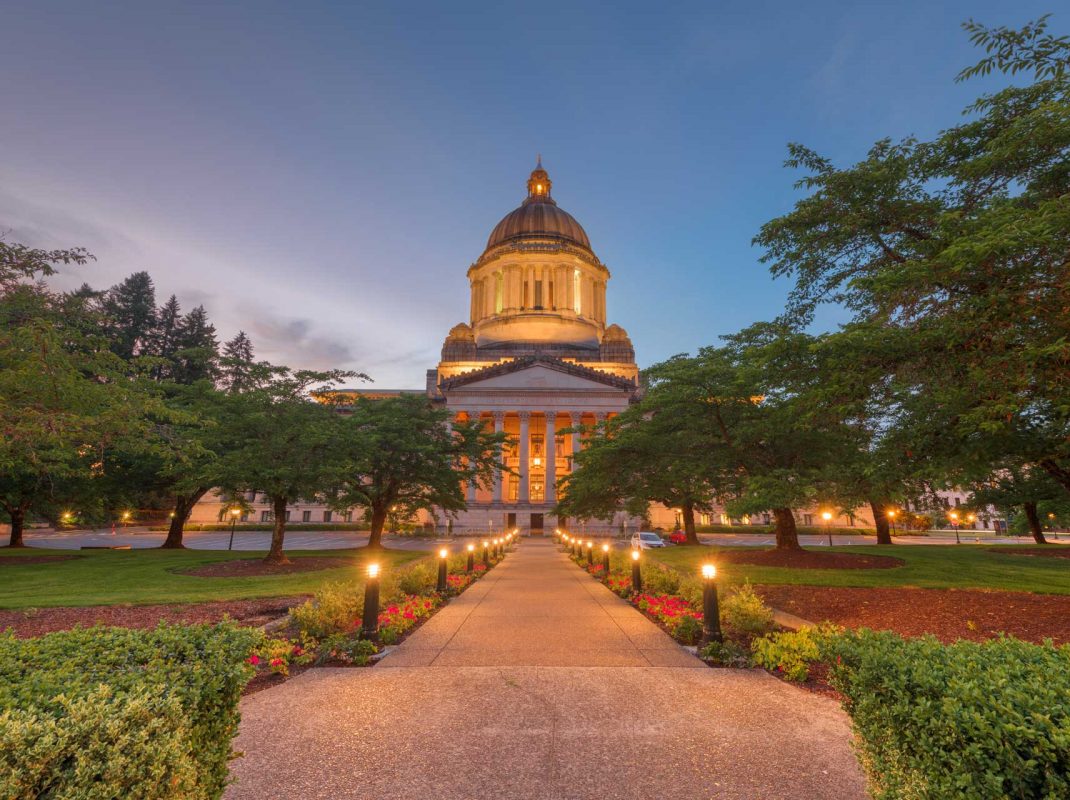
point(539, 373)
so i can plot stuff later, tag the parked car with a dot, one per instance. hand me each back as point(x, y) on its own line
point(646, 540)
point(678, 537)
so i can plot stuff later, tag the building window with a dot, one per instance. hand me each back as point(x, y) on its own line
point(808, 519)
point(514, 488)
point(525, 299)
point(287, 516)
point(551, 300)
point(349, 516)
point(306, 516)
point(265, 516)
point(537, 487)
point(538, 295)
point(327, 516)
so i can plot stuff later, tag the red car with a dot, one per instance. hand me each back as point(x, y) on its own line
point(678, 537)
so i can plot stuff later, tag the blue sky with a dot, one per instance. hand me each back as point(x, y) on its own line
point(322, 174)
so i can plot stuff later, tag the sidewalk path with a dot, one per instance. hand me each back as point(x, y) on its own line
point(538, 682)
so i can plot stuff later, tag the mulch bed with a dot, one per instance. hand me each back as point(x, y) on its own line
point(1044, 552)
point(255, 567)
point(807, 559)
point(948, 614)
point(12, 561)
point(35, 622)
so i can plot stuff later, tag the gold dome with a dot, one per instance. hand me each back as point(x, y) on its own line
point(538, 217)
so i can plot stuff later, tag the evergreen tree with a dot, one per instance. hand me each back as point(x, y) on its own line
point(130, 308)
point(197, 355)
point(168, 329)
point(237, 363)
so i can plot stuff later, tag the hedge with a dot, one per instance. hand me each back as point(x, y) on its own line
point(267, 526)
point(970, 719)
point(118, 713)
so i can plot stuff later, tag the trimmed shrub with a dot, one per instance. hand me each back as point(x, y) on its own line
point(791, 654)
point(979, 720)
point(335, 608)
point(112, 712)
point(745, 611)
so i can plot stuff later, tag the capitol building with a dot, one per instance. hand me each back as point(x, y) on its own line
point(536, 359)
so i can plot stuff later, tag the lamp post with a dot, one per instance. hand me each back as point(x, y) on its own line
point(1051, 524)
point(891, 518)
point(828, 525)
point(369, 624)
point(605, 560)
point(471, 565)
point(637, 574)
point(486, 554)
point(971, 518)
point(954, 517)
point(234, 514)
point(441, 586)
point(590, 553)
point(711, 613)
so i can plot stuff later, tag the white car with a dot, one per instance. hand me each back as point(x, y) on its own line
point(645, 540)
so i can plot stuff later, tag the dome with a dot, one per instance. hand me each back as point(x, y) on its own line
point(538, 217)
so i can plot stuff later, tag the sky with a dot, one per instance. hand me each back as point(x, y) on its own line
point(321, 175)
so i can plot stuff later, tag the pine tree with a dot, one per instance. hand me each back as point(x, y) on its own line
point(237, 363)
point(131, 311)
point(197, 355)
point(165, 345)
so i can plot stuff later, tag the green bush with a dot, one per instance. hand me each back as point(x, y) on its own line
point(267, 526)
point(335, 608)
point(112, 712)
point(790, 654)
point(978, 720)
point(349, 648)
point(745, 611)
point(688, 630)
point(726, 654)
point(419, 579)
point(659, 580)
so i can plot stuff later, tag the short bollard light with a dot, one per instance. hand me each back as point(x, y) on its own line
point(590, 553)
point(711, 613)
point(605, 560)
point(471, 558)
point(486, 556)
point(442, 554)
point(369, 623)
point(637, 574)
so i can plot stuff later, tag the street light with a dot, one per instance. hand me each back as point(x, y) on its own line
point(828, 525)
point(369, 624)
point(891, 518)
point(590, 553)
point(234, 514)
point(471, 558)
point(711, 614)
point(637, 574)
point(605, 560)
point(486, 557)
point(441, 586)
point(954, 517)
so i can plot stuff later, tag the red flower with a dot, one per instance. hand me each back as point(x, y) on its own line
point(254, 659)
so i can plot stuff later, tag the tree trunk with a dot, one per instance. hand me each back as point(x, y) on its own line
point(1032, 517)
point(278, 532)
point(787, 537)
point(18, 522)
point(378, 520)
point(880, 521)
point(687, 511)
point(184, 504)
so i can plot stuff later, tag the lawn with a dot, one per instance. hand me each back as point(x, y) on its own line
point(930, 566)
point(139, 577)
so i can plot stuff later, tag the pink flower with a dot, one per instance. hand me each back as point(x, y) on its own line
point(254, 659)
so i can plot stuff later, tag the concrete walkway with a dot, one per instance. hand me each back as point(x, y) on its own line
point(540, 683)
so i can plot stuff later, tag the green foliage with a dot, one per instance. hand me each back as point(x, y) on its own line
point(979, 720)
point(348, 648)
point(687, 630)
point(129, 713)
point(790, 654)
point(658, 580)
point(728, 653)
point(745, 611)
point(335, 608)
point(419, 579)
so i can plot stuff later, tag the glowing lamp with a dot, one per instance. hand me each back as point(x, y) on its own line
point(471, 548)
point(826, 516)
point(443, 553)
point(373, 570)
point(635, 555)
point(709, 571)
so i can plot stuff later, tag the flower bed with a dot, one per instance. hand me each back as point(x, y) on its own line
point(679, 618)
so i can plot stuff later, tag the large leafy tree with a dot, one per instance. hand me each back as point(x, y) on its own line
point(67, 405)
point(285, 443)
point(403, 454)
point(1016, 489)
point(957, 246)
point(657, 451)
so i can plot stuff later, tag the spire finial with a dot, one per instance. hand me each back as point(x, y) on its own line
point(538, 160)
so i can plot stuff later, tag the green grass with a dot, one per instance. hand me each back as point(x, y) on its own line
point(927, 566)
point(140, 577)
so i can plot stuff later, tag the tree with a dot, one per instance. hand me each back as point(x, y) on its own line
point(237, 363)
point(657, 451)
point(197, 354)
point(66, 404)
point(285, 443)
point(403, 454)
point(1014, 488)
point(957, 245)
point(166, 340)
point(130, 310)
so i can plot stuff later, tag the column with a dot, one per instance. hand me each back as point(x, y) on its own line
point(551, 457)
point(499, 426)
point(525, 418)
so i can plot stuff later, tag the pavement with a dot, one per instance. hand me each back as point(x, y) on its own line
point(538, 682)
